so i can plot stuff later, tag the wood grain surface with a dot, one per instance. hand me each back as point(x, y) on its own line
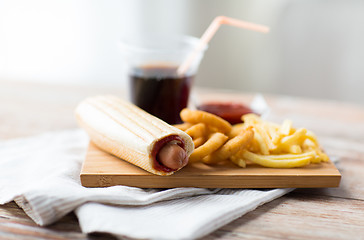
point(323, 213)
point(101, 169)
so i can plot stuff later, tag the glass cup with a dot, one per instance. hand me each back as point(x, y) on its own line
point(154, 84)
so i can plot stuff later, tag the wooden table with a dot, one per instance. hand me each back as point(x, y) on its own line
point(27, 109)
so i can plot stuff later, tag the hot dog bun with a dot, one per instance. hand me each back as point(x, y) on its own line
point(126, 131)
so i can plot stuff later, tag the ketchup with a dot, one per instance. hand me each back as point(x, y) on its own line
point(229, 111)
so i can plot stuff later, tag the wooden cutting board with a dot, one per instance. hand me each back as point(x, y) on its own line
point(101, 169)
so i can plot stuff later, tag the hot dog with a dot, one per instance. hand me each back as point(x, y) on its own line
point(126, 131)
point(173, 156)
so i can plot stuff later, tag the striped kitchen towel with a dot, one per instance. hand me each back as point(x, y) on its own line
point(41, 174)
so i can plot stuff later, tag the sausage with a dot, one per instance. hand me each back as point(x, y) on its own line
point(172, 156)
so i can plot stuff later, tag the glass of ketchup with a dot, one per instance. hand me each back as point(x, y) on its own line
point(151, 65)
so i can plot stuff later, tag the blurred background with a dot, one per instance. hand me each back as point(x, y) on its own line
point(315, 47)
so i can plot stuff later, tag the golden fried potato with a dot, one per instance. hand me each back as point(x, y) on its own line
point(231, 147)
point(198, 141)
point(211, 120)
point(183, 126)
point(196, 131)
point(212, 144)
point(280, 162)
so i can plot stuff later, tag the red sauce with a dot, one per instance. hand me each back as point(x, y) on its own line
point(159, 145)
point(229, 111)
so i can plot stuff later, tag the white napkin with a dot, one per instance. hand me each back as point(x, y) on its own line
point(41, 174)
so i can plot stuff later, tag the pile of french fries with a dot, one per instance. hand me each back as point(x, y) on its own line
point(278, 146)
point(253, 141)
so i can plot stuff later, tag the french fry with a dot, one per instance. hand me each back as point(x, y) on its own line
point(289, 156)
point(236, 130)
point(310, 135)
point(286, 128)
point(317, 158)
point(211, 120)
point(267, 161)
point(263, 147)
point(308, 145)
point(238, 161)
point(323, 156)
point(265, 137)
point(250, 119)
point(272, 131)
point(210, 146)
point(231, 147)
point(183, 126)
point(196, 131)
point(253, 146)
point(296, 138)
point(198, 141)
point(294, 149)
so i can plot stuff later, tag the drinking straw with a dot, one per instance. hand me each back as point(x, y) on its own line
point(210, 32)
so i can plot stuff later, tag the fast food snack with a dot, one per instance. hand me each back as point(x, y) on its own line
point(124, 130)
point(211, 145)
point(231, 147)
point(253, 141)
point(282, 145)
point(211, 135)
point(212, 121)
